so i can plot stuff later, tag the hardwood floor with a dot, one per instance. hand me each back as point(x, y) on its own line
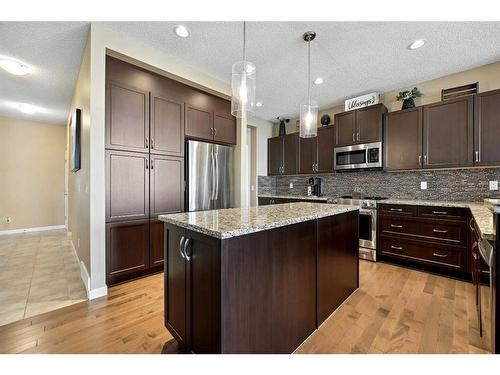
point(396, 310)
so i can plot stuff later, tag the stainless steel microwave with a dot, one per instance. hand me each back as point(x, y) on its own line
point(368, 155)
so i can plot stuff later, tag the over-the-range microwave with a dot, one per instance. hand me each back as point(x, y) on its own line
point(368, 155)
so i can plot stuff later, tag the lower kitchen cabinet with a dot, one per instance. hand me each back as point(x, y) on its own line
point(156, 245)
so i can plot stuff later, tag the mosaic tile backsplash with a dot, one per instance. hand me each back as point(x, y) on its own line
point(455, 185)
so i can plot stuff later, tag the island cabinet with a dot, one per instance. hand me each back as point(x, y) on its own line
point(260, 292)
point(362, 125)
point(283, 154)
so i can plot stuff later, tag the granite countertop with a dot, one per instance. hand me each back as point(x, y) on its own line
point(480, 212)
point(233, 222)
point(298, 197)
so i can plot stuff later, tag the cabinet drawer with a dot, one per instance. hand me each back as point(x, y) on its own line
point(433, 230)
point(398, 209)
point(423, 253)
point(453, 213)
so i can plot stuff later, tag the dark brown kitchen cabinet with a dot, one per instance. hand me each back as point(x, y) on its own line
point(345, 125)
point(167, 126)
point(166, 185)
point(127, 250)
point(325, 145)
point(362, 125)
point(156, 244)
point(308, 155)
point(127, 185)
point(487, 128)
point(274, 156)
point(224, 128)
point(127, 117)
point(290, 153)
point(282, 154)
point(199, 123)
point(403, 139)
point(448, 133)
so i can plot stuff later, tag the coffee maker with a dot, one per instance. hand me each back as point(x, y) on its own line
point(314, 187)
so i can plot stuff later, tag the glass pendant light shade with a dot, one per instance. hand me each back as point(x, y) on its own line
point(308, 120)
point(243, 82)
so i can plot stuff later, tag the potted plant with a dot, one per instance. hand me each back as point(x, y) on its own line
point(408, 96)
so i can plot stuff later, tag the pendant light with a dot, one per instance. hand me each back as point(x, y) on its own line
point(243, 85)
point(308, 111)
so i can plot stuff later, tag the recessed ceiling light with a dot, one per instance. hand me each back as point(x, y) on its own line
point(318, 81)
point(181, 31)
point(29, 109)
point(417, 44)
point(258, 104)
point(14, 67)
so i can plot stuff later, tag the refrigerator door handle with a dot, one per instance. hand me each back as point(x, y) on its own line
point(216, 195)
point(213, 175)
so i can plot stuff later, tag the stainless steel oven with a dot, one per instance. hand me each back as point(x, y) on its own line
point(368, 155)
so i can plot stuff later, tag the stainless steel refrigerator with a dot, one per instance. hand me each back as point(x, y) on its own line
point(209, 176)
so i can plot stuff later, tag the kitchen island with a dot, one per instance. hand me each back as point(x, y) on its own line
point(258, 279)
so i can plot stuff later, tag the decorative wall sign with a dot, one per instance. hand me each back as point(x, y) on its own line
point(362, 101)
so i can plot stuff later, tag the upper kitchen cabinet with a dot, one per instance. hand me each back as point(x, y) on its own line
point(448, 133)
point(282, 154)
point(167, 126)
point(308, 155)
point(224, 125)
point(199, 123)
point(487, 128)
point(127, 117)
point(274, 156)
point(325, 144)
point(359, 126)
point(403, 139)
point(290, 153)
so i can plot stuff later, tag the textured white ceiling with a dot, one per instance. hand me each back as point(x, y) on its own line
point(54, 50)
point(352, 57)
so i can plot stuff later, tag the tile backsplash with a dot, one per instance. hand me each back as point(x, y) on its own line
point(458, 185)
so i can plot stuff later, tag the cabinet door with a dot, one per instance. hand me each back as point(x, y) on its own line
point(224, 128)
point(199, 123)
point(345, 125)
point(290, 153)
point(274, 155)
point(326, 143)
point(487, 128)
point(448, 133)
point(156, 244)
point(127, 250)
point(307, 154)
point(127, 117)
point(403, 139)
point(167, 126)
point(369, 124)
point(167, 185)
point(175, 285)
point(127, 185)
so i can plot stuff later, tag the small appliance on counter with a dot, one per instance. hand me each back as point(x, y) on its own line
point(314, 187)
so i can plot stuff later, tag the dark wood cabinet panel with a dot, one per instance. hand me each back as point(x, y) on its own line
point(448, 133)
point(156, 244)
point(308, 154)
point(369, 123)
point(167, 185)
point(403, 139)
point(167, 126)
point(487, 129)
point(127, 117)
point(345, 126)
point(127, 185)
point(127, 250)
point(199, 123)
point(325, 144)
point(224, 128)
point(290, 153)
point(274, 156)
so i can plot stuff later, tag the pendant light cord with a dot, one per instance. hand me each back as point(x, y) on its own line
point(244, 41)
point(309, 72)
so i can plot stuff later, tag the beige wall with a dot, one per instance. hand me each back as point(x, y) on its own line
point(78, 182)
point(31, 174)
point(488, 77)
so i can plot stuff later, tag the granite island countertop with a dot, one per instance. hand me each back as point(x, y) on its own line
point(233, 222)
point(297, 197)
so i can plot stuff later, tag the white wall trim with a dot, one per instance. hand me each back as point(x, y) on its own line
point(84, 274)
point(35, 229)
point(98, 292)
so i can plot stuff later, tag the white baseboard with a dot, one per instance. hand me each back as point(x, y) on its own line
point(98, 292)
point(84, 274)
point(28, 230)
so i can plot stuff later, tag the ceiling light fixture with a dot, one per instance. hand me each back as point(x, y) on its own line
point(258, 104)
point(29, 109)
point(243, 82)
point(181, 31)
point(14, 67)
point(318, 81)
point(416, 44)
point(309, 111)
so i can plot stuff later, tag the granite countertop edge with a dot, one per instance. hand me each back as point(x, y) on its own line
point(298, 197)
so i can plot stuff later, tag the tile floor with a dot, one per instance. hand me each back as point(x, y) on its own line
point(39, 272)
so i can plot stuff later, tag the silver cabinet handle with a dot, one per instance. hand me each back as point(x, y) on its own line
point(396, 247)
point(186, 246)
point(440, 255)
point(440, 212)
point(425, 159)
point(147, 142)
point(357, 136)
point(147, 164)
point(152, 143)
point(396, 226)
point(419, 159)
point(215, 131)
point(471, 224)
point(397, 209)
point(181, 242)
point(354, 137)
point(477, 156)
point(439, 231)
point(152, 164)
